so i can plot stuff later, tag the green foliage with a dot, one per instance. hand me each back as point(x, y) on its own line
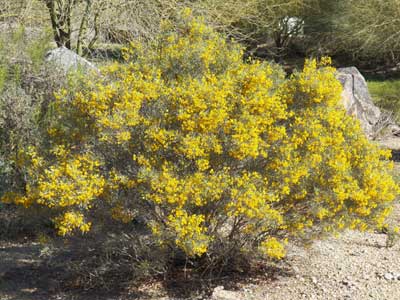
point(386, 94)
point(25, 83)
point(3, 77)
point(37, 48)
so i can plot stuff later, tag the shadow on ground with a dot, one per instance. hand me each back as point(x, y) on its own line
point(396, 155)
point(26, 274)
point(184, 285)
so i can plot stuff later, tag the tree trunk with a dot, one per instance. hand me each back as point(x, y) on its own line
point(60, 22)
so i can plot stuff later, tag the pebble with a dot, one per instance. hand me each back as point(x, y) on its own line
point(314, 280)
point(396, 276)
point(389, 276)
point(346, 282)
point(220, 293)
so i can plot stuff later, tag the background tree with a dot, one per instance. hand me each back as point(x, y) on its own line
point(370, 29)
point(268, 24)
point(61, 14)
point(80, 23)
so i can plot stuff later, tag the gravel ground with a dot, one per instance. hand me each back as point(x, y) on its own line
point(356, 266)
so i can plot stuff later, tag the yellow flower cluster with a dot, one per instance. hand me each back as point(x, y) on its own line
point(69, 184)
point(70, 221)
point(212, 149)
point(273, 248)
point(16, 198)
point(190, 234)
point(331, 162)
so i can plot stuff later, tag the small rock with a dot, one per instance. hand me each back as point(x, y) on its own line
point(346, 282)
point(67, 60)
point(314, 280)
point(247, 290)
point(220, 293)
point(388, 276)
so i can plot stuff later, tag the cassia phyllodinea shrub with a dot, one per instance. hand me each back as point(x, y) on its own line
point(215, 153)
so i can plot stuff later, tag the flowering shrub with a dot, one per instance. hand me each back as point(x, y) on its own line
point(213, 152)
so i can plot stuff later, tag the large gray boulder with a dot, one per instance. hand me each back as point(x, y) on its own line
point(377, 124)
point(67, 60)
point(358, 102)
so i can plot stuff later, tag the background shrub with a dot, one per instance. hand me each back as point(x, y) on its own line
point(27, 85)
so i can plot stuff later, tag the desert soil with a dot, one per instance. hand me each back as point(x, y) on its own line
point(354, 266)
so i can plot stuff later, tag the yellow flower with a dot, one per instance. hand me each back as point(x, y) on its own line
point(273, 248)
